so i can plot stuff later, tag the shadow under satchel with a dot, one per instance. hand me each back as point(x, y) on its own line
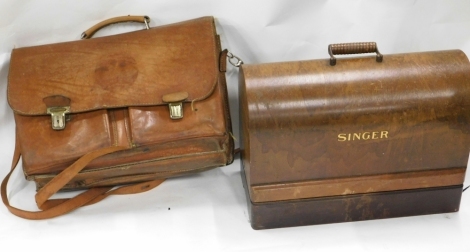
point(136, 107)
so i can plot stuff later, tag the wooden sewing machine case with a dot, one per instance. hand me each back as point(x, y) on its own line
point(361, 138)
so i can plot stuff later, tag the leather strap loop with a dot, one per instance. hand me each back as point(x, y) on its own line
point(66, 175)
point(57, 207)
point(140, 19)
point(223, 61)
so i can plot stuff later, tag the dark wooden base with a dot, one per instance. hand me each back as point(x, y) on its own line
point(356, 207)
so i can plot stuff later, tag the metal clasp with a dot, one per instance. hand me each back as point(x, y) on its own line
point(176, 110)
point(234, 60)
point(147, 21)
point(175, 103)
point(58, 116)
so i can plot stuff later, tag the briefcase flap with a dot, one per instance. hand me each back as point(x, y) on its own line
point(131, 69)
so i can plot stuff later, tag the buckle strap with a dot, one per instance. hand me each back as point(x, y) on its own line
point(57, 207)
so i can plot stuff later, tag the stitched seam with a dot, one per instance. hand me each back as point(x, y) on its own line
point(106, 126)
point(216, 67)
point(153, 174)
point(74, 158)
point(113, 123)
point(126, 126)
point(156, 159)
point(222, 81)
point(137, 163)
point(8, 81)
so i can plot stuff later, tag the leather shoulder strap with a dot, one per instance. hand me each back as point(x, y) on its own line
point(57, 207)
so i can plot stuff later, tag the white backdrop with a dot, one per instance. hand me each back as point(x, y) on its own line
point(208, 211)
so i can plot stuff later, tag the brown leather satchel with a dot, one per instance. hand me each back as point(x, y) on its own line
point(135, 107)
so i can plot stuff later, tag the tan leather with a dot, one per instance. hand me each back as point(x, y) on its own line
point(175, 97)
point(95, 75)
point(292, 114)
point(92, 30)
point(57, 207)
point(56, 101)
point(118, 130)
point(223, 61)
point(61, 179)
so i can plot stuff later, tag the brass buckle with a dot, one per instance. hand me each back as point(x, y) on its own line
point(58, 116)
point(176, 110)
point(175, 104)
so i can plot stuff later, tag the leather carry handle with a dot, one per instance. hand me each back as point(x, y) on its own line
point(140, 19)
point(353, 48)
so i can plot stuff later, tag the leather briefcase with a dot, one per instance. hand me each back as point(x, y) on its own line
point(361, 138)
point(133, 107)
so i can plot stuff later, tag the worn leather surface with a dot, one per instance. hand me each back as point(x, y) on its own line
point(100, 72)
point(92, 30)
point(51, 208)
point(292, 114)
point(115, 85)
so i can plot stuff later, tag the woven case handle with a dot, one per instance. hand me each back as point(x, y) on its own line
point(140, 19)
point(353, 48)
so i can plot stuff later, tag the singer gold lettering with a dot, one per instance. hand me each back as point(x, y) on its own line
point(368, 135)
